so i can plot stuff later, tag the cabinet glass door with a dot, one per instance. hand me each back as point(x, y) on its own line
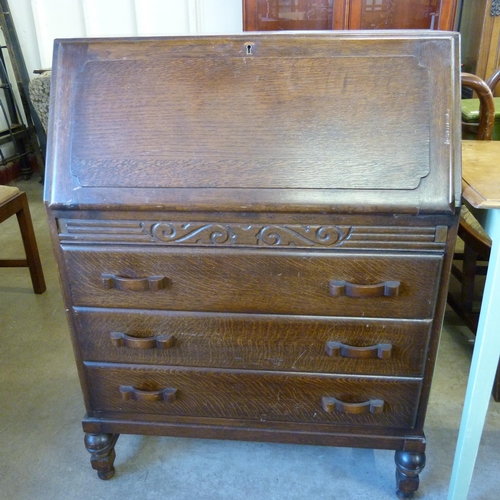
point(277, 15)
point(305, 14)
point(401, 14)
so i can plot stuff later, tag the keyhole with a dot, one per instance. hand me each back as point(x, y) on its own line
point(249, 48)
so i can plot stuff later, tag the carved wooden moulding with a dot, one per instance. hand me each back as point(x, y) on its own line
point(249, 235)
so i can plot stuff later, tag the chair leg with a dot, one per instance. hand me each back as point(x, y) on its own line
point(468, 278)
point(496, 386)
point(30, 246)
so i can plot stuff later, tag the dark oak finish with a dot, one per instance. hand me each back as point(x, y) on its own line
point(248, 341)
point(408, 467)
point(244, 280)
point(386, 289)
point(132, 393)
point(251, 394)
point(381, 351)
point(258, 248)
point(371, 406)
point(120, 339)
point(153, 283)
point(102, 448)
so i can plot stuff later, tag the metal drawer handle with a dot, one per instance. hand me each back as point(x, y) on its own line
point(332, 404)
point(380, 351)
point(119, 339)
point(128, 392)
point(385, 289)
point(152, 283)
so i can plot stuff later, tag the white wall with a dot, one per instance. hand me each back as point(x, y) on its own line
point(39, 22)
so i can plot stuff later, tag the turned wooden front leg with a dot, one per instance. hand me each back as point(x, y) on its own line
point(408, 466)
point(102, 448)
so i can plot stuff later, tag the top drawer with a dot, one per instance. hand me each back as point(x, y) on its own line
point(280, 282)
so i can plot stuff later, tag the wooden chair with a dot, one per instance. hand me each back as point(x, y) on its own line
point(13, 201)
point(493, 79)
point(477, 244)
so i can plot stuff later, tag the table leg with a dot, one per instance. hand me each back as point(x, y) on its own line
point(482, 372)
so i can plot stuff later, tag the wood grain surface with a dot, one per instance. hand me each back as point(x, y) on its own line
point(256, 395)
point(253, 341)
point(256, 243)
point(255, 281)
point(321, 121)
point(481, 173)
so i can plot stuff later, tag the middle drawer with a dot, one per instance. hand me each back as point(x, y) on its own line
point(252, 341)
point(255, 281)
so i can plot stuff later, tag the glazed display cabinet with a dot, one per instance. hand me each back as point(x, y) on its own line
point(276, 15)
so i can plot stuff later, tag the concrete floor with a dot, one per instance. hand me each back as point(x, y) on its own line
point(42, 455)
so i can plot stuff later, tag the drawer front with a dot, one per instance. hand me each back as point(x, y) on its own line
point(295, 343)
point(341, 284)
point(262, 396)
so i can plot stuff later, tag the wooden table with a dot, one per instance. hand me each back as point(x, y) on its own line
point(481, 188)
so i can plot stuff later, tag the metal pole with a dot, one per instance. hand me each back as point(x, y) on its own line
point(36, 134)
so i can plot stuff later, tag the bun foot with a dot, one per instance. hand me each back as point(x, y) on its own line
point(102, 449)
point(108, 474)
point(408, 466)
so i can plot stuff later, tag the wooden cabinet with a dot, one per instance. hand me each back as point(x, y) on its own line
point(480, 30)
point(253, 242)
point(274, 15)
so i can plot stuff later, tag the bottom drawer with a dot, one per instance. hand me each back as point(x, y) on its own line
point(253, 395)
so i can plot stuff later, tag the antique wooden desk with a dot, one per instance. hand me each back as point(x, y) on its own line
point(254, 234)
point(481, 188)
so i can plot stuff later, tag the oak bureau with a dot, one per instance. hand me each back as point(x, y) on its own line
point(254, 234)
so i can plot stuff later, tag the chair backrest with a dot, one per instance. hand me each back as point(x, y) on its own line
point(486, 104)
point(493, 79)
